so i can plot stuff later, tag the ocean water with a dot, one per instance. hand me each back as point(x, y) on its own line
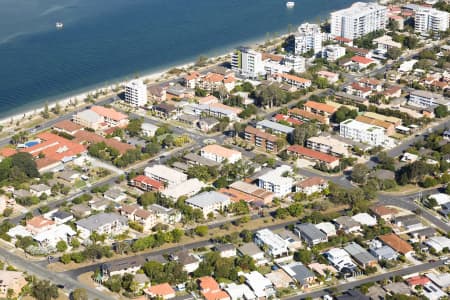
point(103, 42)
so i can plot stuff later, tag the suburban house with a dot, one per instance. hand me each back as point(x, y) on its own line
point(360, 255)
point(395, 242)
point(109, 269)
point(384, 212)
point(259, 195)
point(134, 213)
point(161, 291)
point(211, 290)
point(347, 224)
point(165, 215)
point(48, 239)
point(226, 250)
point(311, 185)
point(103, 223)
point(310, 234)
point(252, 250)
point(261, 286)
point(39, 224)
point(39, 189)
point(300, 273)
point(189, 261)
point(67, 126)
point(275, 246)
point(327, 227)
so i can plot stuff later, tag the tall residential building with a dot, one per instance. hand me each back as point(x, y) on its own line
point(430, 20)
point(333, 52)
point(296, 63)
point(309, 37)
point(136, 93)
point(247, 62)
point(358, 20)
point(362, 132)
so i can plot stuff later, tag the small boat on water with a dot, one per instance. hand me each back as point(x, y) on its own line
point(290, 4)
point(59, 25)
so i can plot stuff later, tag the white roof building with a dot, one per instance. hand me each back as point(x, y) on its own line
point(239, 292)
point(165, 174)
point(362, 132)
point(440, 198)
point(209, 202)
point(261, 286)
point(340, 259)
point(52, 236)
point(365, 219)
point(275, 181)
point(148, 129)
point(276, 246)
point(187, 188)
point(327, 227)
point(407, 66)
point(438, 243)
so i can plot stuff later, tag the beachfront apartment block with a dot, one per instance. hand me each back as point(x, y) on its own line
point(219, 154)
point(358, 20)
point(277, 181)
point(308, 38)
point(427, 99)
point(136, 93)
point(247, 62)
point(362, 132)
point(428, 20)
point(165, 174)
point(333, 52)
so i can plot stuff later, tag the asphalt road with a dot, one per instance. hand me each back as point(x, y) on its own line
point(40, 272)
point(141, 257)
point(354, 284)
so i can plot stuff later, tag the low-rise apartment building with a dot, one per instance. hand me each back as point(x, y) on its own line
point(328, 145)
point(103, 223)
point(165, 174)
point(425, 99)
point(276, 181)
point(219, 154)
point(209, 202)
point(362, 132)
point(328, 160)
point(261, 139)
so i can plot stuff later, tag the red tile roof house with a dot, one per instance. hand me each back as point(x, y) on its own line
point(300, 151)
point(39, 224)
point(210, 289)
point(67, 126)
point(163, 290)
point(358, 90)
point(312, 185)
point(146, 183)
point(417, 280)
point(362, 62)
point(84, 136)
point(395, 242)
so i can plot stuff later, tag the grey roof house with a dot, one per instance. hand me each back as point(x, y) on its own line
point(103, 223)
point(310, 233)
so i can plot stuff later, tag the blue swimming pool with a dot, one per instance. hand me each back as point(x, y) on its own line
point(31, 143)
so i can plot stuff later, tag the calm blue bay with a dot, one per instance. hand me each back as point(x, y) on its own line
point(106, 41)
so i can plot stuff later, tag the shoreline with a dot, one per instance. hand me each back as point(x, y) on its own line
point(150, 75)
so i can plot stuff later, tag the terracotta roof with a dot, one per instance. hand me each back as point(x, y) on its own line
point(45, 162)
point(67, 125)
point(149, 181)
point(300, 150)
point(382, 210)
point(142, 213)
point(392, 90)
point(129, 209)
point(358, 87)
point(320, 106)
point(208, 283)
point(236, 195)
point(312, 181)
point(292, 121)
point(396, 243)
point(362, 60)
point(229, 79)
point(7, 152)
point(375, 122)
point(192, 76)
point(261, 134)
point(213, 77)
point(418, 280)
point(39, 221)
point(236, 110)
point(307, 115)
point(220, 151)
point(342, 39)
point(91, 137)
point(109, 113)
point(163, 289)
point(292, 77)
point(55, 147)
